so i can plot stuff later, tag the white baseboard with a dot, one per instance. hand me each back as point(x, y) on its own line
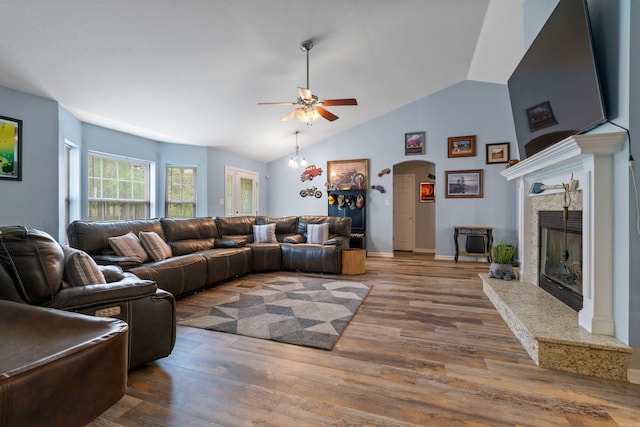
point(380, 254)
point(444, 257)
point(633, 375)
point(424, 251)
point(460, 258)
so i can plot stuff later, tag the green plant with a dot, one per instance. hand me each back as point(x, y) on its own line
point(502, 253)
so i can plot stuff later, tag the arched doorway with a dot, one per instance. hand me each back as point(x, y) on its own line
point(414, 220)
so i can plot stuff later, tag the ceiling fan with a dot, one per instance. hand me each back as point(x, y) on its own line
point(308, 106)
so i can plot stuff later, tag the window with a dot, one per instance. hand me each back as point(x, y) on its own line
point(118, 188)
point(181, 192)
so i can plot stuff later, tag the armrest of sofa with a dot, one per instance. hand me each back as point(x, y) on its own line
point(295, 239)
point(227, 242)
point(122, 261)
point(336, 241)
point(131, 287)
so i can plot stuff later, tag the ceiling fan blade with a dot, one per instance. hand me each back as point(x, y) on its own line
point(277, 103)
point(345, 101)
point(327, 114)
point(289, 116)
point(305, 94)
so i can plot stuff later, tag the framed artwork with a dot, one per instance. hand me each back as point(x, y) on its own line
point(462, 146)
point(541, 116)
point(464, 183)
point(427, 192)
point(10, 148)
point(414, 143)
point(348, 174)
point(498, 153)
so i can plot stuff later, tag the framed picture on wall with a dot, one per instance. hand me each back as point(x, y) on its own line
point(414, 143)
point(463, 183)
point(10, 148)
point(427, 192)
point(461, 146)
point(348, 174)
point(498, 153)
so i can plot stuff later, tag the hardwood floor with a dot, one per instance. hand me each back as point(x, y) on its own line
point(426, 348)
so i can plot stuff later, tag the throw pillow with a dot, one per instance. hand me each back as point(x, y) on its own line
point(80, 269)
point(129, 246)
point(264, 233)
point(112, 273)
point(317, 233)
point(154, 245)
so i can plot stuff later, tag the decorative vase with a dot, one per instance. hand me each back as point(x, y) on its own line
point(501, 271)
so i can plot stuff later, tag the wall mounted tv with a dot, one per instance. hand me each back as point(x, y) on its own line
point(554, 90)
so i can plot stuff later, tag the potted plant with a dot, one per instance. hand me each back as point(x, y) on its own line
point(501, 261)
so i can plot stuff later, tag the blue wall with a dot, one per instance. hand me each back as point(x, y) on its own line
point(33, 201)
point(467, 108)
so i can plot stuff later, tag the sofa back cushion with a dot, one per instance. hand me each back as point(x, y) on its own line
point(285, 226)
point(239, 227)
point(91, 236)
point(189, 228)
point(38, 260)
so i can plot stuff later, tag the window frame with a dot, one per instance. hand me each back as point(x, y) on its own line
point(182, 202)
point(133, 203)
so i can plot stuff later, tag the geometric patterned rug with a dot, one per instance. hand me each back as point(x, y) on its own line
point(307, 311)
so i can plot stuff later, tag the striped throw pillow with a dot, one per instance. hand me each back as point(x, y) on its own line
point(154, 245)
point(317, 233)
point(129, 246)
point(264, 233)
point(80, 269)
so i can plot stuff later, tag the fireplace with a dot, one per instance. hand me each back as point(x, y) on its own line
point(560, 257)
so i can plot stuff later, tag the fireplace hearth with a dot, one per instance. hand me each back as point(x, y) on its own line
point(560, 258)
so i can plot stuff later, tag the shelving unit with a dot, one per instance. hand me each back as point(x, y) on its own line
point(469, 230)
point(358, 217)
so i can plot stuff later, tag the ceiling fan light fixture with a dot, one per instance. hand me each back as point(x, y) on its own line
point(293, 161)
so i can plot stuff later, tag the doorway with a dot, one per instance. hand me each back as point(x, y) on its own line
point(414, 221)
point(241, 192)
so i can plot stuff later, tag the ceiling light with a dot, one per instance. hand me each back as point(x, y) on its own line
point(293, 161)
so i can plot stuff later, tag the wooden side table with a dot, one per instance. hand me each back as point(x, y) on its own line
point(353, 261)
point(470, 230)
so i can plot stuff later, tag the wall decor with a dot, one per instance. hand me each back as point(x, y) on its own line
point(427, 192)
point(348, 174)
point(462, 146)
point(414, 143)
point(464, 183)
point(498, 153)
point(10, 148)
point(541, 116)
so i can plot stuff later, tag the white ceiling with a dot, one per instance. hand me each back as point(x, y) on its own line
point(193, 71)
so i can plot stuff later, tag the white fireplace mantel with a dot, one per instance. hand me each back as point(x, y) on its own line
point(589, 157)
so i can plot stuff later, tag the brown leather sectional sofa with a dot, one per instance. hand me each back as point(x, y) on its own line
point(208, 250)
point(32, 266)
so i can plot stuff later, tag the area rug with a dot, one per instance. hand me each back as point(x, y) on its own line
point(303, 310)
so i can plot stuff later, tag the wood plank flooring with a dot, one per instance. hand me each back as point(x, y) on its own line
point(426, 348)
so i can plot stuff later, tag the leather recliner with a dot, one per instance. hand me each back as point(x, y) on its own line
point(31, 272)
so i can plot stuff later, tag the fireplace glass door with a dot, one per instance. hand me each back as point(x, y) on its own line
point(561, 260)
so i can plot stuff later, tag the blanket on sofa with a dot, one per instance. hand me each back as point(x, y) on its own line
point(302, 310)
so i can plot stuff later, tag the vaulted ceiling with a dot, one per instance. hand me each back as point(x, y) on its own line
point(193, 71)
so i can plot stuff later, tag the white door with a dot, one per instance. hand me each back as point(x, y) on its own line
point(404, 206)
point(241, 192)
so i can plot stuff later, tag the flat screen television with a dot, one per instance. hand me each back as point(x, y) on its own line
point(555, 90)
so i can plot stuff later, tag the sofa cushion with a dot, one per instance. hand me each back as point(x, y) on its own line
point(183, 247)
point(264, 233)
point(154, 245)
point(317, 233)
point(285, 226)
point(189, 228)
point(237, 227)
point(80, 269)
point(112, 273)
point(128, 245)
point(36, 259)
point(91, 236)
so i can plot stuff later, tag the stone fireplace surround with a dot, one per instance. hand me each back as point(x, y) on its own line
point(554, 336)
